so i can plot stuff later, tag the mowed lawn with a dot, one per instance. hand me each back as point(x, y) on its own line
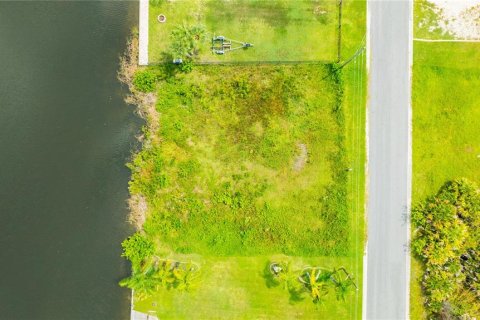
point(254, 163)
point(446, 125)
point(281, 30)
point(239, 288)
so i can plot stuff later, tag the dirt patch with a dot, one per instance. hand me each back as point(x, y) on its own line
point(301, 158)
point(138, 211)
point(459, 18)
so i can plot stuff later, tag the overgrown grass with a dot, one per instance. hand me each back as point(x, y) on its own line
point(223, 182)
point(446, 134)
point(223, 189)
point(281, 30)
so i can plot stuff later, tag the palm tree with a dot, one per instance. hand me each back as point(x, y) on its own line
point(164, 274)
point(143, 281)
point(186, 40)
point(314, 284)
point(186, 276)
point(283, 274)
point(343, 282)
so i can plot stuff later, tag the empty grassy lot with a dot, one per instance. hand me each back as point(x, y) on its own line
point(251, 168)
point(281, 30)
point(446, 131)
point(252, 161)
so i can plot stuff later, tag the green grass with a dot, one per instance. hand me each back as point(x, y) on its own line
point(238, 288)
point(446, 134)
point(353, 28)
point(228, 186)
point(230, 176)
point(281, 30)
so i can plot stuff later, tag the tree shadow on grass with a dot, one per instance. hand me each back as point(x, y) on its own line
point(294, 289)
point(295, 296)
point(269, 278)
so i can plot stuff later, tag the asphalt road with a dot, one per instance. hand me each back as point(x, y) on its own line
point(389, 160)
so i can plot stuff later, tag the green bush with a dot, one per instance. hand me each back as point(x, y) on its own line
point(144, 81)
point(137, 248)
point(447, 241)
point(186, 66)
point(185, 40)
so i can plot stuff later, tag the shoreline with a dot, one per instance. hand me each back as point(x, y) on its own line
point(144, 104)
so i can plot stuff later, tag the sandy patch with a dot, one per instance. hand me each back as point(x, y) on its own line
point(302, 157)
point(459, 18)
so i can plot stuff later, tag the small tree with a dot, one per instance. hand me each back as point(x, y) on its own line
point(164, 274)
point(186, 40)
point(314, 284)
point(143, 281)
point(283, 274)
point(186, 277)
point(137, 248)
point(343, 283)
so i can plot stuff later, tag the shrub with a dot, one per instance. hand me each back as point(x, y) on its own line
point(185, 40)
point(144, 81)
point(137, 248)
point(446, 241)
point(316, 281)
point(186, 66)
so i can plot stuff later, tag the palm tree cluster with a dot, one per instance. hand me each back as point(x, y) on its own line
point(317, 281)
point(186, 40)
point(158, 273)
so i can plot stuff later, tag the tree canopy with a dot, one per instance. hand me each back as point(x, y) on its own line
point(447, 240)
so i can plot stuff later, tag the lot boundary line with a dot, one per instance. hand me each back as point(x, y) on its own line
point(339, 37)
point(445, 40)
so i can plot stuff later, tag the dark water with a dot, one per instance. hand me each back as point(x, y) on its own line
point(65, 135)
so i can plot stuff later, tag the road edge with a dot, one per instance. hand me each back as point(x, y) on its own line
point(409, 157)
point(367, 176)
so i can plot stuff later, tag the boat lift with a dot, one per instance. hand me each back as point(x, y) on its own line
point(222, 45)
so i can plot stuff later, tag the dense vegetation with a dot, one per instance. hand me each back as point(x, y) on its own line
point(249, 163)
point(448, 241)
point(245, 162)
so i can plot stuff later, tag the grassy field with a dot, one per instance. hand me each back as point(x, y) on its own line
point(253, 163)
point(281, 30)
point(253, 160)
point(446, 131)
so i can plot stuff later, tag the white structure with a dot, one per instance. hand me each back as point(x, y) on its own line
point(143, 34)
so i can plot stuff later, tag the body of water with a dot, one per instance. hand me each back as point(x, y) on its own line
point(65, 135)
